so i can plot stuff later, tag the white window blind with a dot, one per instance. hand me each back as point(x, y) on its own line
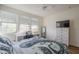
point(8, 22)
point(29, 24)
point(8, 27)
point(24, 28)
point(35, 29)
point(25, 20)
point(35, 26)
point(8, 17)
point(24, 24)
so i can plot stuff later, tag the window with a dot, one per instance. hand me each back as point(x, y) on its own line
point(35, 29)
point(10, 24)
point(7, 22)
point(29, 24)
point(24, 28)
point(8, 27)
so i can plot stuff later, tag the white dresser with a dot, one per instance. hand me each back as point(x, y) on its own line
point(63, 35)
point(62, 32)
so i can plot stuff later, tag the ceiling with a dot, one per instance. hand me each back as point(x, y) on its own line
point(42, 9)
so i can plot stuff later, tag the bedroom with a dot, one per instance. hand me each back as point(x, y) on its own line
point(24, 23)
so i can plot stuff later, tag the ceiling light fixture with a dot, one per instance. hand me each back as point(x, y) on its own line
point(45, 7)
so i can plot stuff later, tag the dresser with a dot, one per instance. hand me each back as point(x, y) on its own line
point(62, 31)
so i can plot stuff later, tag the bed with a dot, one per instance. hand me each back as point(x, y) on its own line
point(35, 45)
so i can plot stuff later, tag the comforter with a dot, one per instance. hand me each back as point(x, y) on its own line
point(5, 46)
point(34, 46)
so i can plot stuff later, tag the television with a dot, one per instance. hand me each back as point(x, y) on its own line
point(65, 23)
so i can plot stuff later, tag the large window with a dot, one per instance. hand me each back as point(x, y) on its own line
point(8, 27)
point(11, 23)
point(29, 24)
point(7, 22)
point(24, 28)
point(35, 29)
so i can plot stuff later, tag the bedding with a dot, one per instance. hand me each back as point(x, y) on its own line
point(40, 46)
point(35, 45)
point(5, 46)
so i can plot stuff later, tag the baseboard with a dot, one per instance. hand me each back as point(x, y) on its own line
point(73, 46)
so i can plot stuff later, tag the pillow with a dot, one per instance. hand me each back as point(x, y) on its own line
point(29, 42)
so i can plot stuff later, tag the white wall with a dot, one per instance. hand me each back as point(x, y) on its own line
point(73, 16)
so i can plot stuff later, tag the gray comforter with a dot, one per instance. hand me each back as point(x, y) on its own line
point(32, 46)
